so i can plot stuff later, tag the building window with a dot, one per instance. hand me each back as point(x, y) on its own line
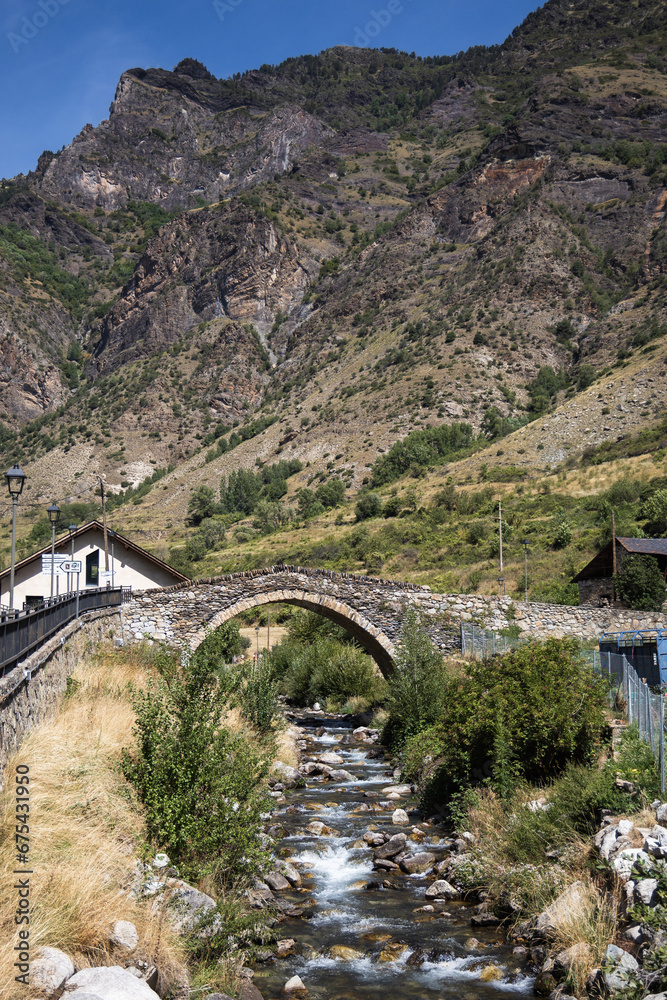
point(93, 568)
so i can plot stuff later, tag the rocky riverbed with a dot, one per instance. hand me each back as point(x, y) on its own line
point(365, 908)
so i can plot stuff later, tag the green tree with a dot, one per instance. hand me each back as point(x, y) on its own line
point(331, 493)
point(654, 510)
point(268, 516)
point(368, 505)
point(640, 583)
point(416, 686)
point(202, 504)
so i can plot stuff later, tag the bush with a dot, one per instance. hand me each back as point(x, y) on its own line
point(328, 669)
point(368, 505)
point(525, 715)
point(200, 785)
point(202, 504)
point(640, 583)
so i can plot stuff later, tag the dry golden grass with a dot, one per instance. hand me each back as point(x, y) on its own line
point(593, 922)
point(85, 830)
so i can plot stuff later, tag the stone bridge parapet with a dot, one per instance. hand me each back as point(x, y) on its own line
point(371, 609)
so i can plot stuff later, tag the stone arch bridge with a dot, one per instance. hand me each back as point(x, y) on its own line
point(372, 610)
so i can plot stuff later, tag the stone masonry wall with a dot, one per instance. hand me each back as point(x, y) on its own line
point(180, 614)
point(29, 694)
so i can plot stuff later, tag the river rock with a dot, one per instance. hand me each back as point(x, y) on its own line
point(374, 838)
point(566, 959)
point(113, 983)
point(392, 951)
point(656, 996)
point(321, 829)
point(289, 777)
point(50, 969)
point(188, 907)
point(331, 758)
point(393, 846)
point(124, 935)
point(290, 873)
point(491, 974)
point(285, 947)
point(295, 983)
point(343, 954)
point(399, 817)
point(276, 881)
point(619, 979)
point(385, 865)
point(414, 864)
point(441, 889)
point(397, 790)
point(547, 923)
point(341, 775)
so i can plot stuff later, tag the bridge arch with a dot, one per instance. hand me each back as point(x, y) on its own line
point(375, 642)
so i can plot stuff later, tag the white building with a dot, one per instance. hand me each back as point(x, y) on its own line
point(129, 566)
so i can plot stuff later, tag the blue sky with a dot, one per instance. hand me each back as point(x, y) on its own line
point(60, 60)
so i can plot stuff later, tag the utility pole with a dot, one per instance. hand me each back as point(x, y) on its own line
point(613, 557)
point(104, 524)
point(500, 530)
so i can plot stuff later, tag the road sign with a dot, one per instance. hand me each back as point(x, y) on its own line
point(71, 566)
point(57, 565)
point(106, 576)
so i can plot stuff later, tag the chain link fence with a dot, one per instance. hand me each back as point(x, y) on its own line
point(628, 694)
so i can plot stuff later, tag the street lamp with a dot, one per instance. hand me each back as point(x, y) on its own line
point(53, 512)
point(71, 529)
point(15, 480)
point(525, 569)
point(257, 635)
point(501, 584)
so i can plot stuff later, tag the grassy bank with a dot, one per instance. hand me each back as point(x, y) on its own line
point(89, 828)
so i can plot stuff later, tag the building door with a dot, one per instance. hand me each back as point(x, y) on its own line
point(93, 568)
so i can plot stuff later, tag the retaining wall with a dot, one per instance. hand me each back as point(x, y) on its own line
point(29, 694)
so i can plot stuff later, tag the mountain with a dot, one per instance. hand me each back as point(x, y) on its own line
point(320, 257)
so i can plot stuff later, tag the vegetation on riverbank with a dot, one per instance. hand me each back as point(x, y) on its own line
point(170, 728)
point(516, 751)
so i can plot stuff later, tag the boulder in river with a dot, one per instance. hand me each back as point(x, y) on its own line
point(344, 954)
point(392, 847)
point(415, 864)
point(288, 777)
point(331, 758)
point(276, 881)
point(399, 817)
point(294, 984)
point(321, 829)
point(441, 890)
point(397, 790)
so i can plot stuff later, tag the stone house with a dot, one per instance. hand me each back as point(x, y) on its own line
point(596, 580)
point(129, 566)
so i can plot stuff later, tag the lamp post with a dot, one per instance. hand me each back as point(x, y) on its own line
point(54, 512)
point(15, 480)
point(525, 569)
point(70, 582)
point(501, 584)
point(257, 636)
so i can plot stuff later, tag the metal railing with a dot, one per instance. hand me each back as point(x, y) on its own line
point(21, 632)
point(628, 693)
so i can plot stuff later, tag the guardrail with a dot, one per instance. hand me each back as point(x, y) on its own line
point(21, 632)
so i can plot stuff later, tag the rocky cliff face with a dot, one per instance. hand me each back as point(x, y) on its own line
point(220, 262)
point(179, 142)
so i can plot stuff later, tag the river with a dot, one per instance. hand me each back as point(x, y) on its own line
point(348, 904)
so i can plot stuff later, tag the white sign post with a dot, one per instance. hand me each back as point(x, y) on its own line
point(57, 565)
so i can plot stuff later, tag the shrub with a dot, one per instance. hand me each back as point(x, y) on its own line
point(202, 504)
point(368, 505)
point(526, 715)
point(640, 583)
point(562, 535)
point(325, 668)
point(200, 784)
